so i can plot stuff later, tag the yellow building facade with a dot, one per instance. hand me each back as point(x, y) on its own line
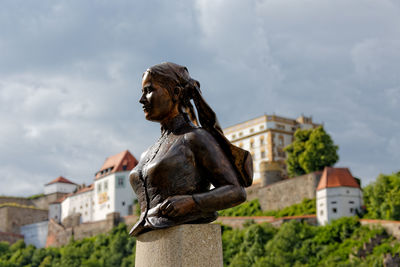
point(266, 137)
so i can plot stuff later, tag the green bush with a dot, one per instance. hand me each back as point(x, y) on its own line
point(382, 198)
point(253, 208)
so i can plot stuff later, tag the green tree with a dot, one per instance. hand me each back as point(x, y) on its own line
point(382, 198)
point(310, 151)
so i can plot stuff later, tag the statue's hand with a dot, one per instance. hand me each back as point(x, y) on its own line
point(178, 206)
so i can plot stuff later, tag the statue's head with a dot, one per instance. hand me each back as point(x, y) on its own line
point(166, 91)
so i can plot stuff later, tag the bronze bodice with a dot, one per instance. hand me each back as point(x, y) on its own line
point(171, 168)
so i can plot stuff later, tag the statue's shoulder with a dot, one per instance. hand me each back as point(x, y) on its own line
point(199, 137)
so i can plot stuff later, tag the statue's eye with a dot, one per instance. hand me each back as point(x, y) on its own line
point(148, 89)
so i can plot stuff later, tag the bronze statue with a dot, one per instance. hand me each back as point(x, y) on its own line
point(173, 177)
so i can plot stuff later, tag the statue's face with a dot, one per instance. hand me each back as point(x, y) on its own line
point(157, 103)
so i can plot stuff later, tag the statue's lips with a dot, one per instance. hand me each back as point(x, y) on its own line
point(146, 108)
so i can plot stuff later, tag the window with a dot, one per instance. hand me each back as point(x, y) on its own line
point(105, 185)
point(120, 181)
point(251, 144)
point(351, 202)
point(334, 210)
point(280, 140)
point(240, 134)
point(56, 217)
point(261, 140)
point(261, 127)
point(123, 203)
point(351, 210)
point(124, 167)
point(333, 202)
point(262, 154)
point(280, 126)
point(251, 130)
point(281, 153)
point(99, 187)
point(321, 212)
point(233, 136)
point(347, 191)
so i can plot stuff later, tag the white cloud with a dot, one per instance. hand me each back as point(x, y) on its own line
point(70, 76)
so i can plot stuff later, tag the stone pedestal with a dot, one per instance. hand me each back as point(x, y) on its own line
point(188, 245)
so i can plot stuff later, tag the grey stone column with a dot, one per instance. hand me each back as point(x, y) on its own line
point(188, 245)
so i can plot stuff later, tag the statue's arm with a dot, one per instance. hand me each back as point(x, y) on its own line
point(215, 167)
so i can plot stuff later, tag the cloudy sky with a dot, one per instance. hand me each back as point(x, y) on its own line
point(70, 74)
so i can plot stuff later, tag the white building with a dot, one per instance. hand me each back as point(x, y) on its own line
point(265, 137)
point(55, 210)
point(79, 202)
point(338, 195)
point(112, 191)
point(59, 185)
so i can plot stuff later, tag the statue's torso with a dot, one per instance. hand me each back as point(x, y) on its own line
point(167, 169)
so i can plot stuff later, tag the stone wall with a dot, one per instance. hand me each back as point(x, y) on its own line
point(10, 237)
point(288, 192)
point(43, 202)
point(16, 200)
point(239, 221)
point(391, 227)
point(11, 217)
point(59, 234)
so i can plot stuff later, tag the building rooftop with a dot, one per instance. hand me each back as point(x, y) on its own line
point(123, 161)
point(337, 177)
point(60, 180)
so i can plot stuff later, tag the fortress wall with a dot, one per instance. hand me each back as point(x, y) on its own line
point(288, 192)
point(238, 222)
point(11, 218)
point(43, 202)
point(3, 219)
point(10, 237)
point(16, 200)
point(391, 227)
point(59, 235)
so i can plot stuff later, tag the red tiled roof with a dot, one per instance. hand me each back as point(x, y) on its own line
point(60, 180)
point(123, 161)
point(61, 199)
point(84, 189)
point(337, 177)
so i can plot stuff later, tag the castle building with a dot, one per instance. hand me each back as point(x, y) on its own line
point(266, 137)
point(79, 202)
point(112, 191)
point(338, 195)
point(59, 185)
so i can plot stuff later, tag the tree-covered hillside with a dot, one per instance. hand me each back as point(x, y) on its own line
point(293, 244)
point(382, 198)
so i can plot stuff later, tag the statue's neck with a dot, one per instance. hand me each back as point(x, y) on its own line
point(173, 124)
